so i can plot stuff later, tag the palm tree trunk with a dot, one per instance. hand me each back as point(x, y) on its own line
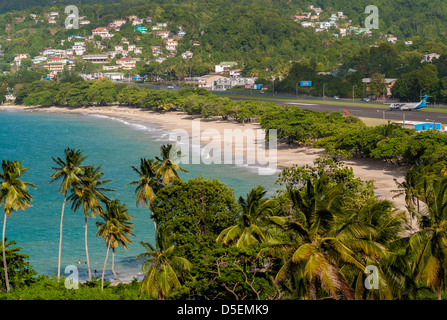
point(113, 267)
point(105, 265)
point(5, 267)
point(439, 288)
point(86, 252)
point(60, 239)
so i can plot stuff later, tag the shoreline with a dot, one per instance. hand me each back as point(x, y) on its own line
point(381, 172)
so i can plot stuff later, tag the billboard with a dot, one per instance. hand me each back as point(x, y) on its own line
point(305, 83)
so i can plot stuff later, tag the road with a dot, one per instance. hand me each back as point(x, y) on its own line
point(366, 112)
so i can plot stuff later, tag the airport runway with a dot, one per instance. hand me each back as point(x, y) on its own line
point(368, 112)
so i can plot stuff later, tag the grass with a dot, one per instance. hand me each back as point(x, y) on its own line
point(268, 97)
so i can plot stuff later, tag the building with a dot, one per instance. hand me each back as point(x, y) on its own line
point(114, 76)
point(96, 58)
point(141, 29)
point(126, 63)
point(206, 82)
point(228, 83)
point(103, 32)
point(39, 59)
point(389, 83)
point(110, 67)
point(53, 67)
point(171, 45)
point(18, 57)
point(429, 57)
point(117, 22)
point(418, 125)
point(187, 55)
point(224, 66)
point(163, 34)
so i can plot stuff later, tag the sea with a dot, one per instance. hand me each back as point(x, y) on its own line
point(34, 137)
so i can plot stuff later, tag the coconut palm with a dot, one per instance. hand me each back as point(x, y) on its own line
point(430, 243)
point(14, 195)
point(146, 184)
point(377, 225)
point(167, 168)
point(89, 195)
point(314, 254)
point(409, 189)
point(251, 227)
point(68, 171)
point(115, 229)
point(162, 268)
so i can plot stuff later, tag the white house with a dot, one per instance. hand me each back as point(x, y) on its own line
point(429, 57)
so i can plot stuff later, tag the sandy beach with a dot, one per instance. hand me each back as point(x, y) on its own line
point(381, 172)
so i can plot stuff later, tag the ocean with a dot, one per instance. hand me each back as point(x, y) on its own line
point(115, 144)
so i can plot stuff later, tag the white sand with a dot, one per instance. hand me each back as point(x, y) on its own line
point(367, 169)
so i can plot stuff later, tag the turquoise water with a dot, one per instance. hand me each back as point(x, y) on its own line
point(116, 144)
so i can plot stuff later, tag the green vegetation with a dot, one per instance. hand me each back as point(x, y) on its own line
point(313, 239)
point(260, 36)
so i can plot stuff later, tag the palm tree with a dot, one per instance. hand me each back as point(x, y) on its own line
point(315, 254)
point(167, 168)
point(89, 195)
point(14, 195)
point(162, 268)
point(146, 184)
point(115, 229)
point(68, 171)
point(251, 227)
point(409, 189)
point(430, 243)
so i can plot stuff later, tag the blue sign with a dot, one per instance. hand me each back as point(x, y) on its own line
point(305, 83)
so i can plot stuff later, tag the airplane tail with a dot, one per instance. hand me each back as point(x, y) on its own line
point(423, 102)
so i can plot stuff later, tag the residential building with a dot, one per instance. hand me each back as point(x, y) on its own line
point(117, 22)
point(110, 67)
point(53, 67)
point(224, 66)
point(18, 57)
point(429, 57)
point(163, 34)
point(141, 29)
point(235, 72)
point(103, 32)
point(126, 63)
point(187, 55)
point(160, 59)
point(39, 59)
point(389, 83)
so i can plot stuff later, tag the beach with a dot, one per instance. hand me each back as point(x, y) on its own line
point(381, 172)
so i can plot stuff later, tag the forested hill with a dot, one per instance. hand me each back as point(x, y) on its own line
point(400, 17)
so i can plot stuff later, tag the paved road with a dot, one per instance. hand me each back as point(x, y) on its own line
point(368, 112)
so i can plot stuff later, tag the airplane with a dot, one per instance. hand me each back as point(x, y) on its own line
point(410, 105)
